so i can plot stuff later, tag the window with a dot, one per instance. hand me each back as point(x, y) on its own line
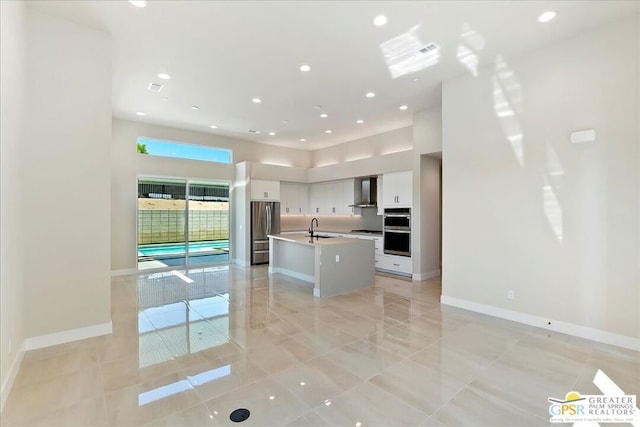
point(182, 222)
point(155, 147)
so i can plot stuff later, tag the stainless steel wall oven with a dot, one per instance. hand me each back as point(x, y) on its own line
point(397, 231)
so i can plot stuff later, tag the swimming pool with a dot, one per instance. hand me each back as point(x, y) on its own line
point(179, 248)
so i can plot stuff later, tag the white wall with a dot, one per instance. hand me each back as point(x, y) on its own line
point(427, 142)
point(426, 209)
point(427, 131)
point(12, 72)
point(526, 210)
point(65, 181)
point(240, 216)
point(365, 156)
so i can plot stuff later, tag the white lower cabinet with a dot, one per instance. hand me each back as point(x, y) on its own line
point(395, 264)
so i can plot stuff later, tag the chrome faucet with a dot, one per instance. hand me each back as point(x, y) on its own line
point(311, 229)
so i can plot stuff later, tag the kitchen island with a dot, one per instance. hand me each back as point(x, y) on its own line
point(334, 265)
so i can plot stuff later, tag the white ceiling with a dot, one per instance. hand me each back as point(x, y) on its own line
point(220, 55)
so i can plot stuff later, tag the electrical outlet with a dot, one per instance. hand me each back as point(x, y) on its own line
point(511, 294)
point(337, 258)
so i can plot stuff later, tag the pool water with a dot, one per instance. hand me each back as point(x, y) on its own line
point(179, 248)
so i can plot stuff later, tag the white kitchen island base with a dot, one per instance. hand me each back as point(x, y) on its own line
point(334, 266)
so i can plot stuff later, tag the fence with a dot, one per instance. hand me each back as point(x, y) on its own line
point(167, 225)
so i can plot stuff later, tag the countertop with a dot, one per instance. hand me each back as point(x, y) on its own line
point(355, 233)
point(303, 239)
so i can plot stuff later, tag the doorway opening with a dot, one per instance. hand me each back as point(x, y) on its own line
point(182, 222)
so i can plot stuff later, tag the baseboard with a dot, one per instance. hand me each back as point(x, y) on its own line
point(7, 385)
point(241, 262)
point(68, 336)
point(294, 274)
point(424, 276)
point(124, 272)
point(592, 334)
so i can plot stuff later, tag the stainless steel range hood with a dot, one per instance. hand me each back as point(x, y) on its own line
point(366, 194)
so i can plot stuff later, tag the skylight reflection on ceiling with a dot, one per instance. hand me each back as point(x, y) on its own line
point(552, 208)
point(403, 54)
point(507, 103)
point(551, 190)
point(471, 43)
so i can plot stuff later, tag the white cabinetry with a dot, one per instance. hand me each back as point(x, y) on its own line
point(395, 264)
point(348, 196)
point(380, 195)
point(397, 189)
point(264, 190)
point(334, 197)
point(294, 198)
point(318, 203)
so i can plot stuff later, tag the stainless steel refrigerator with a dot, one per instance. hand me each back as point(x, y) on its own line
point(265, 219)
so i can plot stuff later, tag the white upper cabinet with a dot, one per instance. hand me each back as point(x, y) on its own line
point(348, 196)
point(335, 197)
point(318, 203)
point(380, 195)
point(397, 189)
point(265, 190)
point(327, 198)
point(294, 198)
point(303, 198)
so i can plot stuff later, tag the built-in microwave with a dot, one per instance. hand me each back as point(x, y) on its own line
point(397, 231)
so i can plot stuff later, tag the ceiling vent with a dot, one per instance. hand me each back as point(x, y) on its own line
point(155, 87)
point(429, 48)
point(253, 131)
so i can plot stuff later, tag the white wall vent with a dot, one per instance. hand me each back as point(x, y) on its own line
point(155, 87)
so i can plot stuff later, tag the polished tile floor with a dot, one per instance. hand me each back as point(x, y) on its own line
point(189, 354)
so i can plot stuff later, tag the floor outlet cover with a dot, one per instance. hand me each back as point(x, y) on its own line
point(239, 415)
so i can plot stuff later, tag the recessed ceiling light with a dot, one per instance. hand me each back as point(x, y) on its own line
point(359, 121)
point(195, 107)
point(305, 68)
point(403, 107)
point(272, 133)
point(324, 115)
point(164, 76)
point(138, 3)
point(285, 121)
point(140, 113)
point(257, 100)
point(380, 20)
point(165, 99)
point(415, 79)
point(213, 127)
point(327, 131)
point(547, 16)
point(317, 107)
point(303, 140)
point(370, 95)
